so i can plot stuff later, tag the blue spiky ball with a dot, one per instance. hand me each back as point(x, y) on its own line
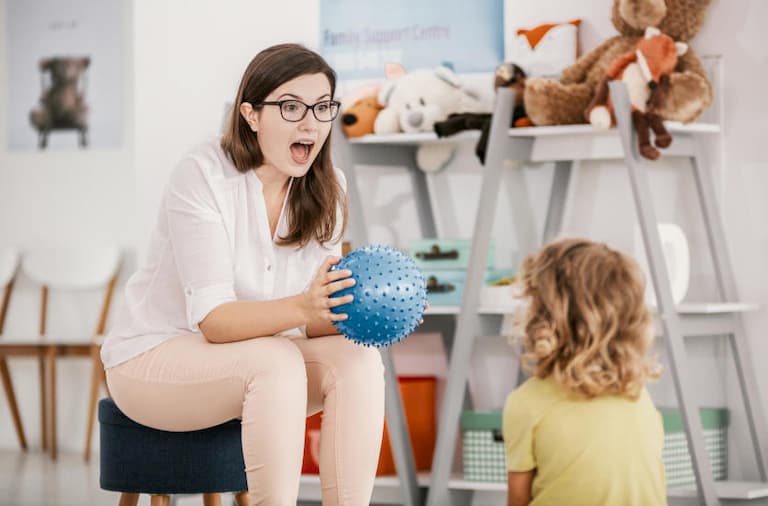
point(389, 296)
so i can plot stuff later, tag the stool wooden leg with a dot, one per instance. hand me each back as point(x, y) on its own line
point(211, 499)
point(97, 375)
point(241, 499)
point(128, 499)
point(160, 500)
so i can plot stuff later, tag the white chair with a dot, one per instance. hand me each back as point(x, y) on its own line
point(71, 271)
point(9, 263)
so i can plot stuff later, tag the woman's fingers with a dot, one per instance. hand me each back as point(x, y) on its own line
point(332, 276)
point(329, 261)
point(338, 285)
point(336, 317)
point(338, 301)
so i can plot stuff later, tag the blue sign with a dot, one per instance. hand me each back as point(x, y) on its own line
point(358, 37)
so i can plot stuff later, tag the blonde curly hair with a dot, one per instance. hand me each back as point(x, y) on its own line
point(587, 325)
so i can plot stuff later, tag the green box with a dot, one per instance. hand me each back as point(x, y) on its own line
point(677, 458)
point(446, 253)
point(483, 446)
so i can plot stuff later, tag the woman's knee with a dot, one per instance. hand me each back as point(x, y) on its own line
point(274, 360)
point(360, 364)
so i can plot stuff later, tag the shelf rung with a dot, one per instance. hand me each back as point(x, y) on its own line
point(736, 490)
point(692, 308)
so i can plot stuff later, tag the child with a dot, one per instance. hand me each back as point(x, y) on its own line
point(583, 429)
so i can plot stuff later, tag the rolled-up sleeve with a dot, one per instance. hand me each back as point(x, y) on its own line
point(199, 242)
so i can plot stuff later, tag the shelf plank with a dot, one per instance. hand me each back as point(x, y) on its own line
point(458, 483)
point(691, 308)
point(732, 490)
point(403, 139)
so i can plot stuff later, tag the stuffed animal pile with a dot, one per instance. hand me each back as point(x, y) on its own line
point(563, 101)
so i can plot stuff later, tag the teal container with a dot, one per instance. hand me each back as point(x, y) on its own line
point(440, 254)
point(445, 287)
point(677, 458)
point(483, 457)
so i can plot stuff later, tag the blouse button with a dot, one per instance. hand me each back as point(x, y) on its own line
point(269, 267)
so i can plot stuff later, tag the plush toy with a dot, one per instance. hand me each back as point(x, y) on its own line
point(507, 75)
point(415, 101)
point(62, 103)
point(359, 111)
point(645, 71)
point(563, 101)
point(360, 107)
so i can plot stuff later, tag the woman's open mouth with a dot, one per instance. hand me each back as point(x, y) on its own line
point(301, 151)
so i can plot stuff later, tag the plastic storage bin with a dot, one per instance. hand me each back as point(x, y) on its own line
point(483, 446)
point(445, 287)
point(677, 459)
point(445, 253)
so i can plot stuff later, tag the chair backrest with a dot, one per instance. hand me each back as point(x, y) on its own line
point(73, 269)
point(70, 268)
point(9, 263)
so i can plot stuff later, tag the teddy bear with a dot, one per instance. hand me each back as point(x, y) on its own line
point(416, 101)
point(358, 119)
point(62, 104)
point(563, 101)
point(360, 106)
point(645, 72)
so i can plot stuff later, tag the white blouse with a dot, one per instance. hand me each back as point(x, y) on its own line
point(211, 245)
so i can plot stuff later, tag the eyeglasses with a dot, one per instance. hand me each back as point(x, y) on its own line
point(295, 110)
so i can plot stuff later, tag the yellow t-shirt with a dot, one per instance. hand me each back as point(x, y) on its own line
point(603, 451)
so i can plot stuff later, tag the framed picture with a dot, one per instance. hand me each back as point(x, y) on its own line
point(65, 74)
point(358, 37)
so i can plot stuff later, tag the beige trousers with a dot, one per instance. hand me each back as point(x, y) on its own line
point(272, 384)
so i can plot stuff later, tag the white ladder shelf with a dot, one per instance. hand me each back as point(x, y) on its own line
point(508, 149)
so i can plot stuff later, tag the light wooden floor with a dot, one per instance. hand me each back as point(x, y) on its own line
point(32, 479)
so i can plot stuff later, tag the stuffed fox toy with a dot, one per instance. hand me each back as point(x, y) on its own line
point(645, 71)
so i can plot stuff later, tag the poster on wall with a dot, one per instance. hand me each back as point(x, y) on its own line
point(358, 37)
point(65, 74)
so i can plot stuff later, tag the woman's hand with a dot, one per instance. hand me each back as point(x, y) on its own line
point(316, 301)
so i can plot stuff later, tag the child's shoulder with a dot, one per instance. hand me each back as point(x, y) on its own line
point(535, 395)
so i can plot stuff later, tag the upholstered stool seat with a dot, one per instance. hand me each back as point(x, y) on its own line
point(140, 460)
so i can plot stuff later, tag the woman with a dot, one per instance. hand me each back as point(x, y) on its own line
point(229, 317)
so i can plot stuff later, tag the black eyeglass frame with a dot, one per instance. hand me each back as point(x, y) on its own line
point(307, 107)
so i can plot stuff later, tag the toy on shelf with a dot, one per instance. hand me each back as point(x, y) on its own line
point(563, 101)
point(645, 71)
point(360, 107)
point(389, 296)
point(358, 117)
point(507, 75)
point(414, 102)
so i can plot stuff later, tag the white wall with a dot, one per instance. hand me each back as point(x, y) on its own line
point(62, 198)
point(185, 59)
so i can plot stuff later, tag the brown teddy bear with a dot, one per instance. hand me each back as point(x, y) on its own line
point(563, 101)
point(359, 118)
point(62, 104)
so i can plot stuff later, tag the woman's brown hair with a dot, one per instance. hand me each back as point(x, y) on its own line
point(317, 196)
point(587, 324)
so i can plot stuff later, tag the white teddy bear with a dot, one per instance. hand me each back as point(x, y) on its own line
point(416, 101)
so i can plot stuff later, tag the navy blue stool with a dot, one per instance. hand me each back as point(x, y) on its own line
point(139, 460)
